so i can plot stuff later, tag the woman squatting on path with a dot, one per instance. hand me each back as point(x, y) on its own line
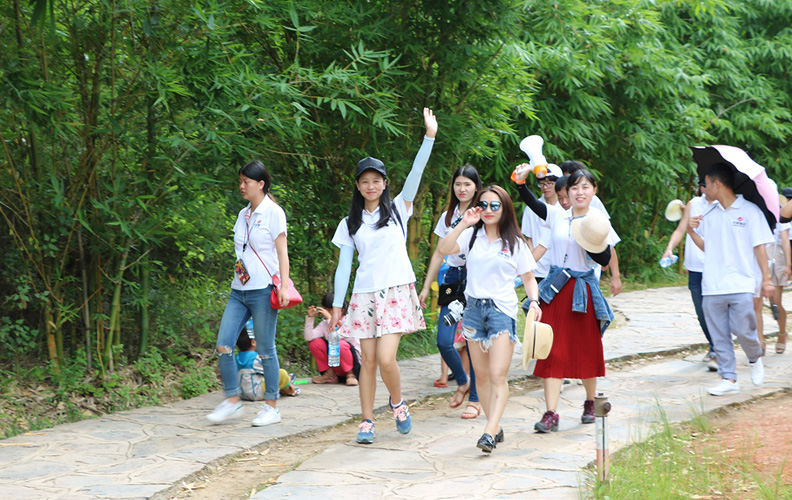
point(384, 304)
point(489, 237)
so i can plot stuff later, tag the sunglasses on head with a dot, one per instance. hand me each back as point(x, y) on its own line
point(494, 205)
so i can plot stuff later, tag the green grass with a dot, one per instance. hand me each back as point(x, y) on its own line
point(684, 462)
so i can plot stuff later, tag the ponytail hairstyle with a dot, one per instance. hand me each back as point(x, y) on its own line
point(355, 218)
point(508, 229)
point(258, 172)
point(471, 173)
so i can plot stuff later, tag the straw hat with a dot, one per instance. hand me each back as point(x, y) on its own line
point(673, 211)
point(591, 230)
point(537, 339)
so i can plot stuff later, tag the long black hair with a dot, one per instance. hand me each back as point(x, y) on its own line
point(508, 229)
point(258, 172)
point(386, 210)
point(471, 173)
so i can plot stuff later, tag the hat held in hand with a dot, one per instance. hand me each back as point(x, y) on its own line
point(673, 211)
point(591, 231)
point(537, 339)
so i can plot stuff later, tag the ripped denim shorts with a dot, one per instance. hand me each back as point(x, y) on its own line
point(483, 322)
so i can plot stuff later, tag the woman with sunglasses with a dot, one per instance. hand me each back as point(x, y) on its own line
point(496, 253)
point(384, 304)
point(465, 184)
point(577, 336)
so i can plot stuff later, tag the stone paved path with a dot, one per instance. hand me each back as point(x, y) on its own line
point(138, 453)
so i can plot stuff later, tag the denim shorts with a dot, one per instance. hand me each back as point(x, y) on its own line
point(483, 322)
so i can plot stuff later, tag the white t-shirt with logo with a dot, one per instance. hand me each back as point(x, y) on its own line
point(266, 223)
point(730, 236)
point(442, 230)
point(492, 268)
point(382, 253)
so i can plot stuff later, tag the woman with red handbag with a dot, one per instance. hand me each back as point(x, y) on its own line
point(260, 246)
point(384, 303)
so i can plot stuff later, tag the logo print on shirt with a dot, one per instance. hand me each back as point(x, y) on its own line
point(504, 253)
point(739, 222)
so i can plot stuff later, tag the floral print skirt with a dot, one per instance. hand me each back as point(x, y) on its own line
point(392, 310)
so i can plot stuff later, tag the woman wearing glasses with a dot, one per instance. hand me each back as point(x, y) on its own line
point(496, 253)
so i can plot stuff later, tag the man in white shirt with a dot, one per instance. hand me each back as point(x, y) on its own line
point(733, 235)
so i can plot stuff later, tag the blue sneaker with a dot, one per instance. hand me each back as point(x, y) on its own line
point(402, 416)
point(366, 432)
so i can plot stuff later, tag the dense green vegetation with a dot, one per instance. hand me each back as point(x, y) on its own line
point(123, 125)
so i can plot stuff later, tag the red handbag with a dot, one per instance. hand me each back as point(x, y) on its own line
point(294, 296)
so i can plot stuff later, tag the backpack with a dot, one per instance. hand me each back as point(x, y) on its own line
point(251, 381)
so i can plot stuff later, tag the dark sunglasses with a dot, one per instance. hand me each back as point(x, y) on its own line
point(494, 205)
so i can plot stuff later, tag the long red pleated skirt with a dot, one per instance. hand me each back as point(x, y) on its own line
point(577, 343)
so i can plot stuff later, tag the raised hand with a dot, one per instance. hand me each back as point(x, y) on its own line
point(430, 120)
point(471, 216)
point(311, 311)
point(521, 172)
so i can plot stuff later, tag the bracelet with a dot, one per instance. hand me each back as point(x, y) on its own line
point(534, 300)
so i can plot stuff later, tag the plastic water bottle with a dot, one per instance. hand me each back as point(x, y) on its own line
point(667, 261)
point(249, 328)
point(334, 349)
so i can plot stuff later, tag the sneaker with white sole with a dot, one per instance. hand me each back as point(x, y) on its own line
point(402, 416)
point(268, 415)
point(725, 387)
point(757, 372)
point(707, 356)
point(712, 364)
point(224, 411)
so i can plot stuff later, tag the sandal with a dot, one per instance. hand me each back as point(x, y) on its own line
point(457, 403)
point(291, 390)
point(780, 347)
point(472, 410)
point(437, 383)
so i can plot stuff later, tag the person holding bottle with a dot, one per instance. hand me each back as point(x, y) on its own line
point(261, 251)
point(495, 253)
point(465, 184)
point(318, 338)
point(384, 304)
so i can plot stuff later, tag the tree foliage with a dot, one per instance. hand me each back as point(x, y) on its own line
point(124, 124)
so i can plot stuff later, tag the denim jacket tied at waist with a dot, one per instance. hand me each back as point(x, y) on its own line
point(579, 296)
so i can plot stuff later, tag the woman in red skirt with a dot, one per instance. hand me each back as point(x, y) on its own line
point(571, 300)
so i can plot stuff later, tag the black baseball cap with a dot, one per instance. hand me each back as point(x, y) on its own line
point(787, 192)
point(369, 163)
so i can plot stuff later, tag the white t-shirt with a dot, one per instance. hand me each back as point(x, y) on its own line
point(535, 228)
point(694, 256)
point(730, 236)
point(492, 269)
point(266, 223)
point(564, 251)
point(441, 230)
point(382, 253)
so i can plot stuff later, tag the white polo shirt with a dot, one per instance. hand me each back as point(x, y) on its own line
point(442, 230)
point(564, 251)
point(492, 269)
point(694, 256)
point(535, 228)
point(266, 223)
point(382, 253)
point(730, 236)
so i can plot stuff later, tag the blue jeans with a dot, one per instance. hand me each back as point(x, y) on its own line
point(483, 322)
point(445, 339)
point(240, 307)
point(694, 285)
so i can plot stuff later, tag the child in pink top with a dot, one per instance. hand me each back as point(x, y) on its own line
point(317, 338)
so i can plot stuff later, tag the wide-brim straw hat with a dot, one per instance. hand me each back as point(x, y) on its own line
point(673, 211)
point(591, 230)
point(537, 339)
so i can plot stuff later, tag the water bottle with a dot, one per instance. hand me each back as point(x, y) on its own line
point(334, 349)
point(667, 261)
point(249, 328)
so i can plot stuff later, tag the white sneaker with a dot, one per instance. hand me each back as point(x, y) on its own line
point(757, 372)
point(707, 357)
point(224, 411)
point(712, 364)
point(268, 415)
point(725, 387)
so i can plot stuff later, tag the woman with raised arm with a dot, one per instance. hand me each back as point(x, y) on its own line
point(384, 304)
point(465, 184)
point(576, 309)
point(496, 253)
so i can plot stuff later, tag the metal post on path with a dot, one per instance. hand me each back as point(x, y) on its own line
point(601, 409)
